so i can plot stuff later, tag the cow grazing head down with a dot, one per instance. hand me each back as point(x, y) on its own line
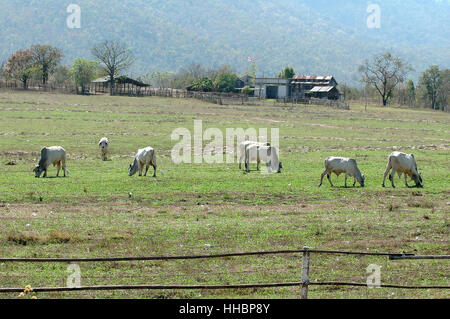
point(417, 179)
point(38, 171)
point(280, 166)
point(361, 181)
point(133, 168)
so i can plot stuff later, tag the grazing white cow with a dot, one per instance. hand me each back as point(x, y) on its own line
point(242, 147)
point(103, 145)
point(55, 155)
point(144, 157)
point(262, 153)
point(402, 164)
point(339, 165)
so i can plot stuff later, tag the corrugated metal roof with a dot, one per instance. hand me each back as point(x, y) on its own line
point(101, 80)
point(313, 77)
point(313, 83)
point(259, 81)
point(121, 79)
point(321, 89)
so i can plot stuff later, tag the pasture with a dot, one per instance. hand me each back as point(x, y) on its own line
point(215, 208)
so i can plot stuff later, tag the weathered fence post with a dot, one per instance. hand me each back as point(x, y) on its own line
point(305, 273)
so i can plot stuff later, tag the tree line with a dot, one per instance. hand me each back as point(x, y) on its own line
point(383, 76)
point(42, 62)
point(38, 61)
point(112, 59)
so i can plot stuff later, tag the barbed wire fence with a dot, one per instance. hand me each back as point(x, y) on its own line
point(303, 284)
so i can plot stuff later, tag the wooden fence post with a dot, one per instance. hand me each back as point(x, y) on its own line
point(305, 273)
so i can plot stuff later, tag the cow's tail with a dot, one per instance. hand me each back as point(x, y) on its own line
point(67, 172)
point(161, 171)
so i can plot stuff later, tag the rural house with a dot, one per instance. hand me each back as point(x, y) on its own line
point(322, 87)
point(300, 86)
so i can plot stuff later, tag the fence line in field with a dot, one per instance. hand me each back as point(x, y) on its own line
point(402, 257)
point(220, 98)
point(212, 97)
point(303, 284)
point(340, 104)
point(213, 287)
point(141, 258)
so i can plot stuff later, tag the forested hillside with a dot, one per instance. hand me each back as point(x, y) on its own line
point(313, 36)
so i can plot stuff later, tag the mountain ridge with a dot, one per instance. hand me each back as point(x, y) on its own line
point(314, 37)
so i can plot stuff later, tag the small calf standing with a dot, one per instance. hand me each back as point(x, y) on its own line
point(144, 157)
point(266, 154)
point(55, 155)
point(402, 164)
point(339, 165)
point(104, 144)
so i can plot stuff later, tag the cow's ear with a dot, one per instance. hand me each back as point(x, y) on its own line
point(412, 155)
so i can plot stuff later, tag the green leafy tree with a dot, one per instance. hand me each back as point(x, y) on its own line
point(287, 73)
point(84, 71)
point(2, 69)
point(225, 80)
point(247, 90)
point(20, 66)
point(46, 58)
point(444, 90)
point(384, 72)
point(430, 81)
point(410, 91)
point(62, 76)
point(203, 85)
point(114, 57)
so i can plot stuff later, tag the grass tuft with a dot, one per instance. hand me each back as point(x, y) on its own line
point(24, 238)
point(30, 238)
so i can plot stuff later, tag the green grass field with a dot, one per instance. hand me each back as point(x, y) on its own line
point(215, 208)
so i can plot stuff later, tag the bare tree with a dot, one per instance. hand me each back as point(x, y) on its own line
point(194, 71)
point(384, 72)
point(46, 58)
point(114, 57)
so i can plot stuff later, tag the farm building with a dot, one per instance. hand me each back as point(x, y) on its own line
point(123, 85)
point(245, 80)
point(324, 87)
point(272, 88)
point(300, 86)
point(324, 92)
